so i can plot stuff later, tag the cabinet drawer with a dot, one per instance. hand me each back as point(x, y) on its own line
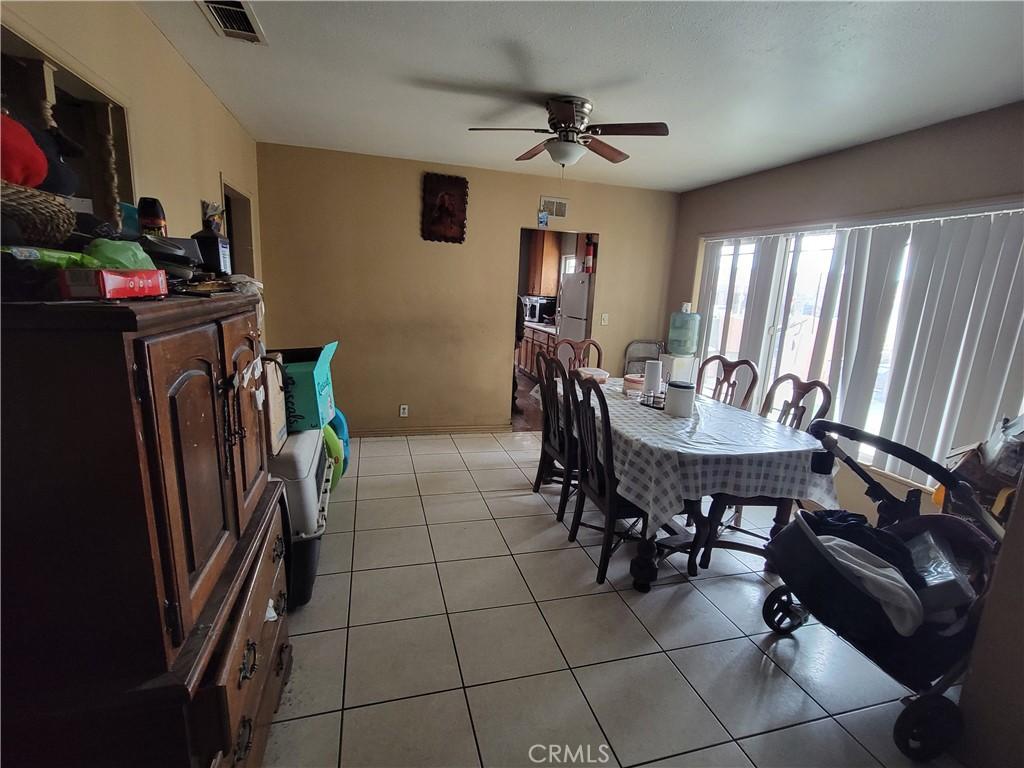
point(251, 740)
point(237, 679)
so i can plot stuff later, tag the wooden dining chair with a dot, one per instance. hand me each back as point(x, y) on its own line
point(579, 353)
point(725, 385)
point(793, 410)
point(597, 480)
point(559, 455)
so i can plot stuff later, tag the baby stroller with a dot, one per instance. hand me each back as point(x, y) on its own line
point(935, 656)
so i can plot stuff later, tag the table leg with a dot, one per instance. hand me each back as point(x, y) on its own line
point(783, 511)
point(700, 535)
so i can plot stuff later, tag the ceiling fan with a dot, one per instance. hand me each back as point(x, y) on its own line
point(573, 135)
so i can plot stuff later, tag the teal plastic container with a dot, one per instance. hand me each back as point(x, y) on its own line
point(308, 389)
point(684, 332)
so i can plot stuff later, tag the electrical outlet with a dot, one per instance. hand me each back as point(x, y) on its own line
point(604, 318)
point(403, 410)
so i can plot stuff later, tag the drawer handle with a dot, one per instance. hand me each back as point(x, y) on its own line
point(245, 738)
point(282, 657)
point(247, 668)
point(281, 604)
point(278, 552)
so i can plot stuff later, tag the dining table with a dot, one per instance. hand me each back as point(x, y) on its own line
point(666, 465)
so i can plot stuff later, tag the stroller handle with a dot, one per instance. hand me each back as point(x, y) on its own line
point(959, 489)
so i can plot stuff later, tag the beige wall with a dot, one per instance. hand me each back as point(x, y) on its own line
point(972, 158)
point(181, 137)
point(432, 324)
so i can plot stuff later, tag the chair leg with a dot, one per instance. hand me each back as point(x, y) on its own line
point(738, 518)
point(701, 533)
point(715, 515)
point(563, 499)
point(543, 470)
point(783, 510)
point(577, 515)
point(606, 548)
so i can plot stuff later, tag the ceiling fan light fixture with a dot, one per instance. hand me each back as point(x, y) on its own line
point(565, 152)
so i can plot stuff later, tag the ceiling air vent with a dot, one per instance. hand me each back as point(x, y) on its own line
point(230, 18)
point(555, 207)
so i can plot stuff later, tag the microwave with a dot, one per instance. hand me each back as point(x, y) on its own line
point(539, 307)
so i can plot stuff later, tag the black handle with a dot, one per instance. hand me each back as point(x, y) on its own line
point(278, 552)
point(281, 604)
point(250, 657)
point(243, 742)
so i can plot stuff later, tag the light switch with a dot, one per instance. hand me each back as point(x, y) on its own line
point(604, 318)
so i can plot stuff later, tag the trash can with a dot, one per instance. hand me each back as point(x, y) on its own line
point(306, 471)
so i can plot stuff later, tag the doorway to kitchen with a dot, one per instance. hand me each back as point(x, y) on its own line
point(557, 271)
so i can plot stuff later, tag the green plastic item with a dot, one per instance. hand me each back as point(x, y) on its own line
point(48, 258)
point(118, 254)
point(308, 390)
point(335, 452)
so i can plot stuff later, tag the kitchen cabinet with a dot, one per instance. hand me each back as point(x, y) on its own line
point(545, 262)
point(143, 577)
point(534, 340)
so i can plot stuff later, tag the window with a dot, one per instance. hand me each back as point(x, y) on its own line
point(915, 325)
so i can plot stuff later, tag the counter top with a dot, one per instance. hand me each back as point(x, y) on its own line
point(541, 327)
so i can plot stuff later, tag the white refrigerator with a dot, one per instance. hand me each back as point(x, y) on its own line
point(571, 314)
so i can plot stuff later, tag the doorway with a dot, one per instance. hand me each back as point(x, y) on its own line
point(556, 276)
point(238, 212)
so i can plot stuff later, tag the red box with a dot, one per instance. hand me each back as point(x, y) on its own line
point(111, 283)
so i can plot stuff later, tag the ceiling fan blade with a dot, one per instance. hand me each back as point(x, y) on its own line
point(563, 112)
point(534, 151)
point(629, 129)
point(531, 130)
point(607, 151)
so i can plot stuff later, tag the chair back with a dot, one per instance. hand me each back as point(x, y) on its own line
point(579, 353)
point(725, 385)
point(793, 410)
point(596, 450)
point(551, 436)
point(638, 352)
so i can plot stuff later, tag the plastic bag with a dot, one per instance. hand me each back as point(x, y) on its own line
point(48, 258)
point(118, 254)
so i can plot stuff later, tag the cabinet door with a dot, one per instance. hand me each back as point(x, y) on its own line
point(245, 420)
point(188, 409)
point(551, 263)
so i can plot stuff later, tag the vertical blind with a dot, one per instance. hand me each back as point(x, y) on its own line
point(917, 327)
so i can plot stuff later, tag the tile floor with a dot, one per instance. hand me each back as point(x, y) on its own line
point(452, 624)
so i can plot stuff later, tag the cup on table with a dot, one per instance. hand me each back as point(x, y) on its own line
point(679, 399)
point(652, 377)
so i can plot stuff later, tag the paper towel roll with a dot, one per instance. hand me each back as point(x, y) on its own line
point(652, 376)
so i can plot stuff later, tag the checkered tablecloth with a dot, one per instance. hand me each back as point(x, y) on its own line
point(661, 460)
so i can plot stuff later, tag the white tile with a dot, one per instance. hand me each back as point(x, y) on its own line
point(837, 675)
point(534, 533)
point(326, 609)
point(383, 439)
point(618, 566)
point(485, 583)
point(596, 628)
point(335, 553)
point(489, 460)
point(476, 443)
point(311, 742)
point(385, 465)
point(428, 445)
point(739, 597)
point(872, 727)
point(512, 716)
point(387, 594)
point(560, 573)
point(389, 513)
point(318, 675)
point(431, 731)
point(502, 480)
point(678, 615)
point(518, 441)
point(647, 709)
point(387, 487)
point(371, 448)
point(727, 755)
point(460, 541)
point(743, 687)
point(525, 458)
point(400, 658)
point(345, 490)
point(392, 546)
point(341, 516)
point(455, 507)
point(516, 503)
point(438, 462)
point(810, 745)
point(434, 483)
point(501, 643)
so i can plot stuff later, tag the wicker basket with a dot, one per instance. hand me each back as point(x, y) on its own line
point(44, 219)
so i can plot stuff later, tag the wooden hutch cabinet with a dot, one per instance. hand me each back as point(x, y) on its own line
point(143, 578)
point(534, 341)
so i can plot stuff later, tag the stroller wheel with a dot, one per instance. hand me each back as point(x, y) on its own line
point(781, 612)
point(927, 727)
